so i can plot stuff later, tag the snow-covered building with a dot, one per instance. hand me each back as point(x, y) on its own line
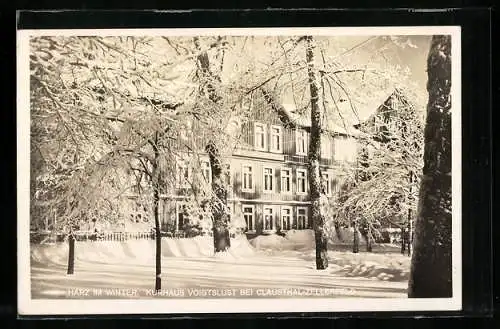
point(268, 181)
point(266, 171)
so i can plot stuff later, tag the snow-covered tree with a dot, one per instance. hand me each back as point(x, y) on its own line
point(347, 85)
point(98, 103)
point(431, 266)
point(136, 104)
point(382, 189)
point(314, 156)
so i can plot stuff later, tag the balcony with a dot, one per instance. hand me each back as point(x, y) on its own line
point(303, 159)
point(296, 158)
point(258, 154)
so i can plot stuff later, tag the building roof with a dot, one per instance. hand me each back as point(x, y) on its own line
point(303, 119)
point(353, 117)
point(397, 100)
point(397, 104)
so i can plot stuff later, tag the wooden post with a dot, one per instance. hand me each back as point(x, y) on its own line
point(71, 254)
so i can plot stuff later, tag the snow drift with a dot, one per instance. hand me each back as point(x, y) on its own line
point(344, 236)
point(271, 241)
point(132, 250)
point(302, 240)
point(293, 240)
point(385, 264)
point(384, 267)
point(296, 246)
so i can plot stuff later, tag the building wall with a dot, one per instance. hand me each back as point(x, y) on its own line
point(248, 154)
point(277, 200)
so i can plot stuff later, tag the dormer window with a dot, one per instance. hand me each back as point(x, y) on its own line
point(260, 136)
point(301, 142)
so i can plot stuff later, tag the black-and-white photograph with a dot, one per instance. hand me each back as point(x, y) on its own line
point(268, 170)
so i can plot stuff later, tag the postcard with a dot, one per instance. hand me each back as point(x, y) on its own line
point(239, 170)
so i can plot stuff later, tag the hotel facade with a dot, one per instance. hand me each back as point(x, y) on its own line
point(267, 178)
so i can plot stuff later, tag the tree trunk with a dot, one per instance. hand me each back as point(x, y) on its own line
point(363, 176)
point(338, 231)
point(158, 244)
point(403, 240)
point(355, 243)
point(220, 220)
point(369, 245)
point(220, 223)
point(314, 157)
point(156, 201)
point(71, 253)
point(431, 264)
point(409, 223)
point(408, 233)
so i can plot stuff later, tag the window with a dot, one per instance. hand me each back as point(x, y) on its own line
point(286, 180)
point(326, 148)
point(268, 219)
point(205, 170)
point(302, 218)
point(325, 181)
point(286, 218)
point(183, 175)
point(268, 179)
point(301, 181)
point(335, 187)
point(182, 218)
point(260, 136)
point(138, 213)
point(276, 140)
point(248, 215)
point(247, 179)
point(301, 142)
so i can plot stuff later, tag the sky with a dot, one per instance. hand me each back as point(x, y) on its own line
point(404, 51)
point(415, 58)
point(348, 51)
point(410, 51)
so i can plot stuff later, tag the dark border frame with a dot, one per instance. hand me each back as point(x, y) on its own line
point(476, 121)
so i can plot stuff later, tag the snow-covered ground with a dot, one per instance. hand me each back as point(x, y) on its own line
point(264, 263)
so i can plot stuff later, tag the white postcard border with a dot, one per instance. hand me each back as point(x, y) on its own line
point(29, 306)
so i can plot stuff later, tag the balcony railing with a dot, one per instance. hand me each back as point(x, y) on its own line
point(296, 158)
point(303, 159)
